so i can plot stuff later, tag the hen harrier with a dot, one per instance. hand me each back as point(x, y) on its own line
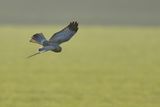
point(53, 44)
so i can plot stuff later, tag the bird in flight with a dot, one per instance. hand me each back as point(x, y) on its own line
point(53, 44)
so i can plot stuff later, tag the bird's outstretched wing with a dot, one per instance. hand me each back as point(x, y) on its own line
point(65, 34)
point(39, 39)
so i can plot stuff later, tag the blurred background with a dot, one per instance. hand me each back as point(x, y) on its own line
point(112, 61)
point(92, 12)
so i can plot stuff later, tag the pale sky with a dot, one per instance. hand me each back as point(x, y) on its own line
point(106, 12)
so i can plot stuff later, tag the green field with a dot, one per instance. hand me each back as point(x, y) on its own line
point(99, 67)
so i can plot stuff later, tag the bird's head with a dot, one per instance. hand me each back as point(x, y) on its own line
point(58, 49)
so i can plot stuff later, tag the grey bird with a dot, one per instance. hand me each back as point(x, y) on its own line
point(53, 44)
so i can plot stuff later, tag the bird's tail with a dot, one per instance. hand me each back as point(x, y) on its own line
point(33, 55)
point(36, 53)
point(38, 38)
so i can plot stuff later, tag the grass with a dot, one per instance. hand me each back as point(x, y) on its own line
point(99, 67)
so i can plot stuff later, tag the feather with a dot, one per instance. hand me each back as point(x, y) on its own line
point(33, 55)
point(54, 42)
point(73, 26)
point(65, 34)
point(38, 38)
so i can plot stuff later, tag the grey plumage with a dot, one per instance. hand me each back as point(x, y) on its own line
point(53, 44)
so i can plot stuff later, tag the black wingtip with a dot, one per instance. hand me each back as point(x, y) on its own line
point(73, 26)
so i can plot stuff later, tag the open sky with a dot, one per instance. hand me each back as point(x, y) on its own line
point(98, 12)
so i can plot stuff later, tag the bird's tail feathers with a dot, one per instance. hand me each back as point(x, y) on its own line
point(35, 54)
point(38, 38)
